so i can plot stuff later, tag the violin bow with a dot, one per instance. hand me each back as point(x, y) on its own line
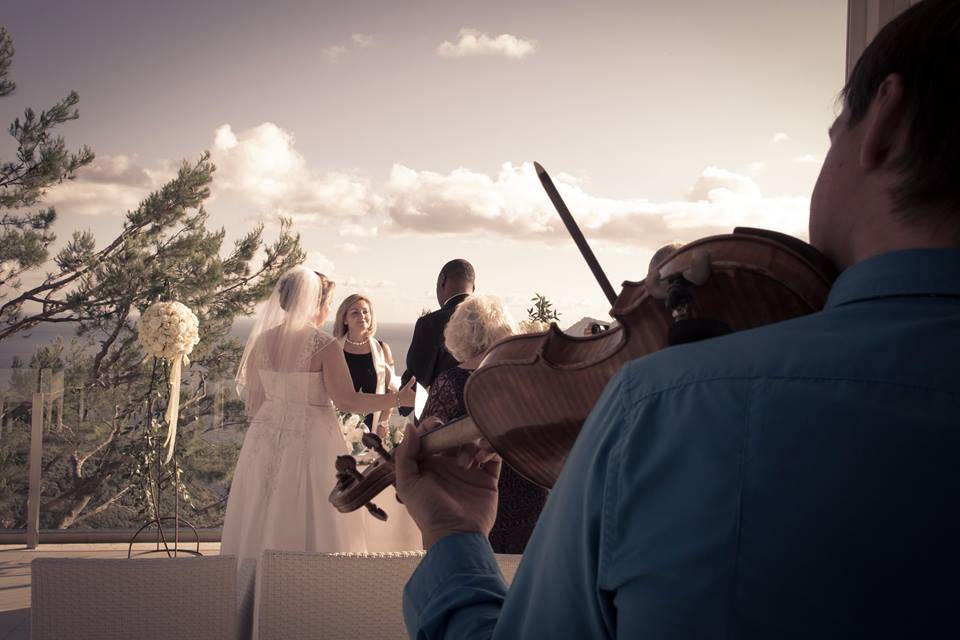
point(575, 232)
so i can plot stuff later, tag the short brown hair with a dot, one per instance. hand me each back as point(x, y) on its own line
point(922, 46)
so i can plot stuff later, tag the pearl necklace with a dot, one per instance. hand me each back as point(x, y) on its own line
point(355, 343)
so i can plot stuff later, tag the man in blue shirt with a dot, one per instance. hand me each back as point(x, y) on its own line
point(798, 480)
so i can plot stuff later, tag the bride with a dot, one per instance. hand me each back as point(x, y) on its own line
point(291, 376)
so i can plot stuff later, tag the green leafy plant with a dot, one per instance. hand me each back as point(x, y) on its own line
point(542, 310)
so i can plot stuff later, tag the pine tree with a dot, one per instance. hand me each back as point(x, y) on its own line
point(97, 456)
point(42, 160)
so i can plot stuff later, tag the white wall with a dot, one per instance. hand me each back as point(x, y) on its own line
point(864, 19)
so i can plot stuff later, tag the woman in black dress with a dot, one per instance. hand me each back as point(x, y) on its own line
point(475, 326)
point(370, 360)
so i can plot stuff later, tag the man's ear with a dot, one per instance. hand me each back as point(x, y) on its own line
point(884, 124)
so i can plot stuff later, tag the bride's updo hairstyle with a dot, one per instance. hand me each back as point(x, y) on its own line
point(285, 289)
point(477, 323)
point(285, 325)
point(301, 291)
point(327, 286)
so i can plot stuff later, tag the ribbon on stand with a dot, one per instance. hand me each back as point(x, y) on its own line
point(173, 404)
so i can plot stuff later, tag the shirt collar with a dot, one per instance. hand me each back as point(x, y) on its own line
point(459, 295)
point(914, 272)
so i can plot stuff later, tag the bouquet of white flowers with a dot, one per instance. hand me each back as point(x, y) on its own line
point(353, 428)
point(170, 330)
point(394, 437)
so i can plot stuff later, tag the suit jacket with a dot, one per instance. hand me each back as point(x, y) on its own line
point(427, 356)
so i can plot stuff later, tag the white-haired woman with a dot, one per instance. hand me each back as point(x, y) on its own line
point(369, 359)
point(474, 327)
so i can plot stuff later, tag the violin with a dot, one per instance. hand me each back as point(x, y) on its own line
point(532, 393)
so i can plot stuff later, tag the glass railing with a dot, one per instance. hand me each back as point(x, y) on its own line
point(84, 461)
point(16, 414)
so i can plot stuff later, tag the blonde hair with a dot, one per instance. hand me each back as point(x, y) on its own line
point(328, 286)
point(477, 323)
point(340, 321)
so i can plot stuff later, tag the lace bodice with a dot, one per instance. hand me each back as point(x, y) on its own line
point(298, 387)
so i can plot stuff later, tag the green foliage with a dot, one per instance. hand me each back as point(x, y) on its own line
point(42, 160)
point(104, 420)
point(105, 453)
point(542, 310)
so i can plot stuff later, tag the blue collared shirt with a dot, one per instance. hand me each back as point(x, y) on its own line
point(797, 480)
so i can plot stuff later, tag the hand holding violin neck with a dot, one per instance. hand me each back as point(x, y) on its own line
point(449, 436)
point(355, 489)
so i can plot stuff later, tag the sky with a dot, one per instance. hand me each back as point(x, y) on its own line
point(400, 135)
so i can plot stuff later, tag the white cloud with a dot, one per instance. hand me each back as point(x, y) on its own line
point(365, 284)
point(119, 170)
point(758, 166)
point(319, 262)
point(333, 53)
point(262, 167)
point(109, 186)
point(362, 40)
point(809, 158)
point(474, 43)
point(514, 205)
point(354, 230)
point(348, 247)
point(779, 137)
point(224, 138)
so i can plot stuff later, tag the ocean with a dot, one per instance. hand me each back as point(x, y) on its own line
point(24, 345)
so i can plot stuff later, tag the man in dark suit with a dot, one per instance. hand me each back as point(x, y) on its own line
point(427, 356)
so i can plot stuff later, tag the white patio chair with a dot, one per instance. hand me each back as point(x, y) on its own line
point(107, 599)
point(339, 595)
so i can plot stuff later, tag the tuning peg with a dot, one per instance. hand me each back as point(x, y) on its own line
point(373, 441)
point(655, 285)
point(343, 480)
point(346, 472)
point(347, 465)
point(376, 512)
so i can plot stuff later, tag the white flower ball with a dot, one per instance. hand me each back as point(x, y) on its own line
point(169, 330)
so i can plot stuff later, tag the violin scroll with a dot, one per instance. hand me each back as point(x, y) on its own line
point(355, 489)
point(360, 487)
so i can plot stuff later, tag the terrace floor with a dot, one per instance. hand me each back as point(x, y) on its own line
point(15, 576)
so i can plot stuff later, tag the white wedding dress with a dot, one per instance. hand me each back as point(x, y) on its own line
point(278, 499)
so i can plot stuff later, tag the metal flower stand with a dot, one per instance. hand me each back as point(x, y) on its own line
point(160, 536)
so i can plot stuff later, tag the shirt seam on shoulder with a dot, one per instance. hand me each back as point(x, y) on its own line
point(645, 395)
